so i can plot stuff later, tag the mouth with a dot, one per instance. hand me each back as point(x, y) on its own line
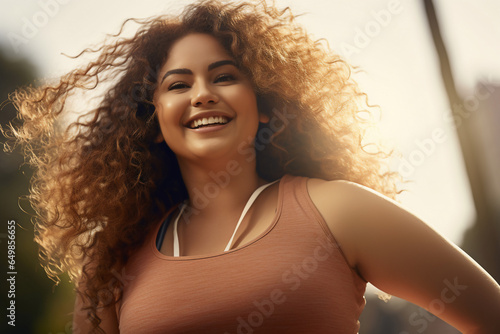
point(208, 122)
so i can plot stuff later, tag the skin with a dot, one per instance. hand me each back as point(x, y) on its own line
point(401, 255)
point(384, 243)
point(182, 97)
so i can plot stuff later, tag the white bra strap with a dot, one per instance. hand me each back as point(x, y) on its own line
point(252, 199)
point(176, 238)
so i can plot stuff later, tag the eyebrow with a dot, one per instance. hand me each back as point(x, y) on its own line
point(188, 71)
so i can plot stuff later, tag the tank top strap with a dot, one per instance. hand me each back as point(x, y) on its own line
point(296, 194)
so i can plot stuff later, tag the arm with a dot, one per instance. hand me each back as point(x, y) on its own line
point(400, 254)
point(82, 325)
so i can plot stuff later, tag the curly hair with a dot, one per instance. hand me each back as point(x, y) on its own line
point(102, 182)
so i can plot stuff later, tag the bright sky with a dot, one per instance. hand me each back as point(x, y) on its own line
point(388, 39)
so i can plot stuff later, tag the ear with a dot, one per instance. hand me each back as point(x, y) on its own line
point(263, 118)
point(159, 139)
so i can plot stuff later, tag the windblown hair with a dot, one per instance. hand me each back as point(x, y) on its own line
point(102, 182)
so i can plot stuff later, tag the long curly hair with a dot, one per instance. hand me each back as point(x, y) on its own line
point(102, 182)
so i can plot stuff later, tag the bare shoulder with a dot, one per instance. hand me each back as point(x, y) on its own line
point(401, 254)
point(342, 204)
point(346, 192)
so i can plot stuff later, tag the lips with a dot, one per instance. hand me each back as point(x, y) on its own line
point(207, 119)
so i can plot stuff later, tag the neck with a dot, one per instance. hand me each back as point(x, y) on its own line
point(224, 186)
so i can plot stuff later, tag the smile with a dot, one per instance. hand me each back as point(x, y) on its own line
point(208, 121)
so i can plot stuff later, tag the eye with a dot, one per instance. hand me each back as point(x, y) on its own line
point(225, 78)
point(178, 85)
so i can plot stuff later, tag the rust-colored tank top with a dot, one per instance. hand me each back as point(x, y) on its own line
point(292, 279)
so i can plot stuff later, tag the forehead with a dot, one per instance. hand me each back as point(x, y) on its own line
point(195, 49)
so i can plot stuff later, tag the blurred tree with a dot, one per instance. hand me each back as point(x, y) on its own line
point(482, 240)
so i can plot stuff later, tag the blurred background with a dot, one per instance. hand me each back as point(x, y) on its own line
point(440, 110)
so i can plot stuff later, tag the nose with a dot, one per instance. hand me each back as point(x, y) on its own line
point(203, 95)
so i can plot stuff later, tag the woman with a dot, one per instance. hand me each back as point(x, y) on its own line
point(221, 186)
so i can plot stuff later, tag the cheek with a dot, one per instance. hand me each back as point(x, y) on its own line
point(169, 111)
point(165, 121)
point(161, 115)
point(244, 98)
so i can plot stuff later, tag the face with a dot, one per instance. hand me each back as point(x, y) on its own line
point(205, 106)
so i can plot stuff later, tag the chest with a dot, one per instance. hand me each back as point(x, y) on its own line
point(198, 237)
point(286, 282)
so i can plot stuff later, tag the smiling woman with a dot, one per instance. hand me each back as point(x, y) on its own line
point(204, 104)
point(221, 186)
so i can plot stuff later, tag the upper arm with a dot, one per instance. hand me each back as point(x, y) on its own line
point(82, 324)
point(398, 253)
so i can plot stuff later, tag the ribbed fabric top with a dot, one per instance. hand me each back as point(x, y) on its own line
point(292, 279)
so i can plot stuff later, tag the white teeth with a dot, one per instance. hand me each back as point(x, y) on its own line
point(208, 121)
